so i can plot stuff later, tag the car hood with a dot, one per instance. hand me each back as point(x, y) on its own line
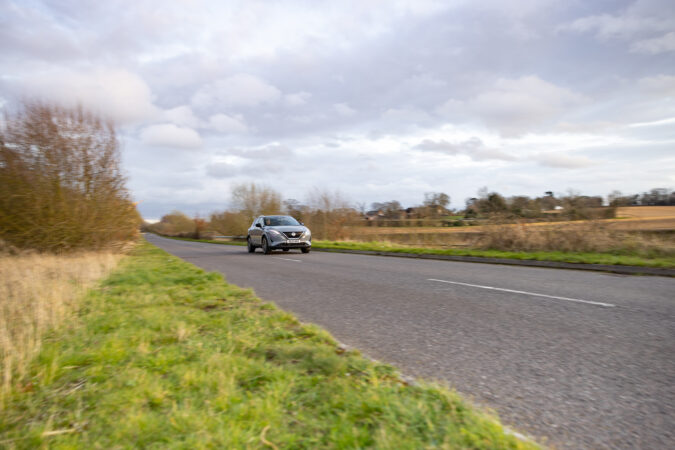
point(287, 228)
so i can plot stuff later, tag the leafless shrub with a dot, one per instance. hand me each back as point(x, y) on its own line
point(230, 223)
point(61, 187)
point(175, 223)
point(587, 236)
point(328, 214)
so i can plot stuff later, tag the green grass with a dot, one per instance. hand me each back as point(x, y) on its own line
point(568, 257)
point(165, 355)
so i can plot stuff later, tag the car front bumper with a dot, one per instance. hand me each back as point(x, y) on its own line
point(285, 244)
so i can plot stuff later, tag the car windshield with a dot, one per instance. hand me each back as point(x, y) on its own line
point(276, 221)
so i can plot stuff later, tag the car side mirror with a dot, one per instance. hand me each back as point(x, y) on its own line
point(258, 225)
point(302, 223)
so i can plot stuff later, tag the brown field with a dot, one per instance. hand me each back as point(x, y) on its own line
point(631, 218)
point(646, 212)
point(644, 218)
point(598, 235)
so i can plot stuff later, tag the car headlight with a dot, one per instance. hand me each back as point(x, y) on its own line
point(306, 234)
point(275, 234)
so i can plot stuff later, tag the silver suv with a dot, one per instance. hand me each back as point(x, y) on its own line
point(278, 232)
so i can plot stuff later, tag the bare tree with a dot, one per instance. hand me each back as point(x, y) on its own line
point(252, 200)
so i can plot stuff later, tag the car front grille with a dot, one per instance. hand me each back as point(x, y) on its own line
point(293, 234)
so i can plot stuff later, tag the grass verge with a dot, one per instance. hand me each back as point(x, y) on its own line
point(568, 257)
point(166, 355)
point(557, 256)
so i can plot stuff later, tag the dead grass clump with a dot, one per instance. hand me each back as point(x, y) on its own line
point(37, 292)
point(580, 237)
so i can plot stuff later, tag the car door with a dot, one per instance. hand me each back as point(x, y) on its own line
point(256, 232)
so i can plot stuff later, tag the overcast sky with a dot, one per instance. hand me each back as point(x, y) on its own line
point(380, 100)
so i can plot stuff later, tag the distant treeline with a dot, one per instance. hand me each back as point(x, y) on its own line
point(330, 216)
point(61, 187)
point(326, 213)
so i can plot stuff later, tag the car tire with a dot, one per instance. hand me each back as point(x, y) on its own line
point(304, 250)
point(265, 246)
point(251, 247)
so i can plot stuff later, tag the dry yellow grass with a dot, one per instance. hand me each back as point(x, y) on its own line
point(37, 293)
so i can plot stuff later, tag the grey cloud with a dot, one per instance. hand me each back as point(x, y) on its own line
point(228, 124)
point(643, 20)
point(222, 170)
point(251, 73)
point(658, 86)
point(297, 99)
point(44, 40)
point(344, 109)
point(608, 26)
point(662, 44)
point(237, 90)
point(411, 116)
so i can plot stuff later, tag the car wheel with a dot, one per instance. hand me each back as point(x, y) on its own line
point(251, 247)
point(265, 246)
point(304, 250)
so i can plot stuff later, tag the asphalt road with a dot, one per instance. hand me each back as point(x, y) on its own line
point(575, 359)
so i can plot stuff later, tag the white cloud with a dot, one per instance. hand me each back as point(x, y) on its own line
point(563, 161)
point(656, 123)
point(473, 148)
point(183, 116)
point(515, 106)
point(655, 46)
point(117, 94)
point(238, 90)
point(271, 151)
point(227, 124)
point(170, 135)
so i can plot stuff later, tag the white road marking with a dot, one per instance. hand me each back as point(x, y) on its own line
point(607, 305)
point(288, 259)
